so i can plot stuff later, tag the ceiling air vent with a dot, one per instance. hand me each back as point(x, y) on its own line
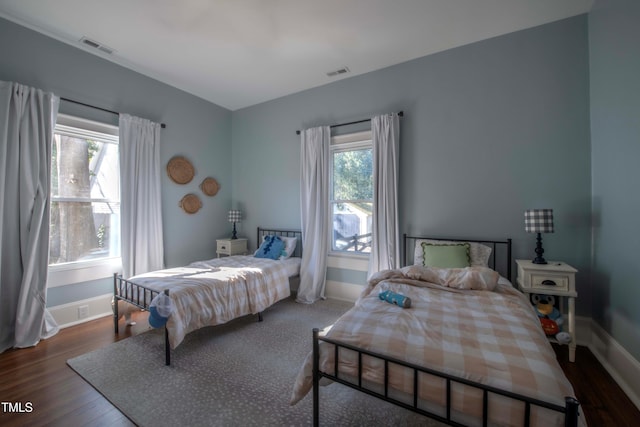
point(94, 44)
point(337, 72)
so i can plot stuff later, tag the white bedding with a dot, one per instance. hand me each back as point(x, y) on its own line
point(215, 291)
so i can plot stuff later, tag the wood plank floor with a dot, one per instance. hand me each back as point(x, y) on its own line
point(60, 397)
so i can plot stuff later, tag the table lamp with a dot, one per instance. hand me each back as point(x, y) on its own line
point(234, 216)
point(538, 221)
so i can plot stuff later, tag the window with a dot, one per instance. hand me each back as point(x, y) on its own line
point(351, 192)
point(85, 197)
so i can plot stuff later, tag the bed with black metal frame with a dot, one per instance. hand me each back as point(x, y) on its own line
point(141, 296)
point(501, 261)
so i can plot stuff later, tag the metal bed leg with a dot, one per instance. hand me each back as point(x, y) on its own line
point(571, 416)
point(260, 317)
point(316, 379)
point(167, 349)
point(115, 302)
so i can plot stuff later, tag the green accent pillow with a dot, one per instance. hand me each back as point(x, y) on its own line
point(455, 255)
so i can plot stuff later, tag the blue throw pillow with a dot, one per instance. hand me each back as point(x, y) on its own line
point(271, 247)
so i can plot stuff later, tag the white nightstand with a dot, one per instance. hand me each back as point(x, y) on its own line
point(231, 247)
point(554, 278)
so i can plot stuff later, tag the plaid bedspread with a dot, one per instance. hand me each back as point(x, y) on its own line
point(491, 337)
point(212, 292)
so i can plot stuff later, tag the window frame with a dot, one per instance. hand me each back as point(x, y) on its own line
point(341, 143)
point(93, 269)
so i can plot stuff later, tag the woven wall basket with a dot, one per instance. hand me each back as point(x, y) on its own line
point(190, 203)
point(180, 170)
point(210, 187)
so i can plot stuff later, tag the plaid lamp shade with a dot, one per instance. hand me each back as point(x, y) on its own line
point(235, 216)
point(538, 221)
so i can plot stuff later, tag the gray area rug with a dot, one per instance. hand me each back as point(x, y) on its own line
point(237, 374)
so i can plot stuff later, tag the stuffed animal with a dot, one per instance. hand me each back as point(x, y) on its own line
point(394, 298)
point(550, 317)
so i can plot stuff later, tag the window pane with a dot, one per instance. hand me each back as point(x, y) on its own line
point(352, 175)
point(104, 172)
point(84, 168)
point(83, 231)
point(85, 203)
point(352, 227)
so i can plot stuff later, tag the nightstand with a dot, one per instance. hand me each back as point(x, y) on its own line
point(557, 279)
point(231, 247)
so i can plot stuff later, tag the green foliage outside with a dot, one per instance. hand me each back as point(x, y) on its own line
point(353, 175)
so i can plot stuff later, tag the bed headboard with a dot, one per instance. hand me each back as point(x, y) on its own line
point(500, 259)
point(282, 232)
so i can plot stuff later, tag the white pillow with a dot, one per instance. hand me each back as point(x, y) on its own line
point(478, 253)
point(289, 246)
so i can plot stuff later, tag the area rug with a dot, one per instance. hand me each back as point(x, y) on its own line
point(237, 374)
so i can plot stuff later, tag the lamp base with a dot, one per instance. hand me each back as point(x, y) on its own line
point(234, 236)
point(539, 251)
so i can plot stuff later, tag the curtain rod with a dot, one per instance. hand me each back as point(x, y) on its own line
point(162, 125)
point(400, 114)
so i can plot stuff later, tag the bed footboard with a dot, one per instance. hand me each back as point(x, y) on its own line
point(570, 410)
point(139, 296)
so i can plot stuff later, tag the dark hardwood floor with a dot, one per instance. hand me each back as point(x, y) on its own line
point(601, 399)
point(59, 397)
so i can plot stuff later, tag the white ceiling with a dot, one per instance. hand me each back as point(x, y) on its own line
point(237, 53)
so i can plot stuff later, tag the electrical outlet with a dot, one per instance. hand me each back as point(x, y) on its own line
point(83, 311)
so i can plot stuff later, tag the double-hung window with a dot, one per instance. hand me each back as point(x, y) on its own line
point(84, 236)
point(351, 192)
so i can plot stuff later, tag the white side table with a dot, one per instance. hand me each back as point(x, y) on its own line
point(231, 247)
point(554, 278)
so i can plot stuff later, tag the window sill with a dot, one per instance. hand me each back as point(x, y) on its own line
point(358, 262)
point(346, 254)
point(76, 272)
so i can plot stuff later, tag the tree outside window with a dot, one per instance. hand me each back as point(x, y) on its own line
point(85, 196)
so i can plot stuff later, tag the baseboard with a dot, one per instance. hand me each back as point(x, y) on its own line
point(343, 291)
point(583, 331)
point(620, 364)
point(82, 311)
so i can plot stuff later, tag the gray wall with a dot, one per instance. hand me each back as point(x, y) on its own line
point(197, 129)
point(614, 35)
point(490, 129)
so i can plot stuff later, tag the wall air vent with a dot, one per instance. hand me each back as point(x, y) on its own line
point(95, 45)
point(337, 72)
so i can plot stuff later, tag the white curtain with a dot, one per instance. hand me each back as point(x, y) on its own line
point(314, 200)
point(140, 196)
point(385, 249)
point(27, 119)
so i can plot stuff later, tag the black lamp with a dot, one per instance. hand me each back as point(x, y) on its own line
point(538, 221)
point(234, 216)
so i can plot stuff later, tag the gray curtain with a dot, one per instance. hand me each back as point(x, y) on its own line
point(314, 207)
point(27, 120)
point(385, 249)
point(140, 196)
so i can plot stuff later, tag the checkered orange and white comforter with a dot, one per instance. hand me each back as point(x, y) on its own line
point(213, 292)
point(467, 330)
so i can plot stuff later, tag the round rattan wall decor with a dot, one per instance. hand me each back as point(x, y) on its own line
point(190, 203)
point(210, 186)
point(180, 170)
